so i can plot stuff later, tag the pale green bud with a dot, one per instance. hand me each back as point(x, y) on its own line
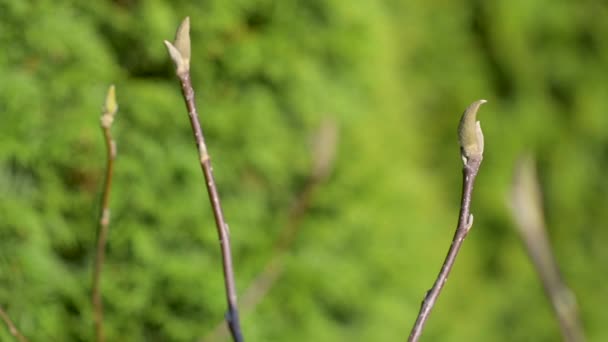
point(470, 135)
point(180, 49)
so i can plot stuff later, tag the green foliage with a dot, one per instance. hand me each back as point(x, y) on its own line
point(394, 75)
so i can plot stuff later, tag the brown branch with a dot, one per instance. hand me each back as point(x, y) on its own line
point(11, 327)
point(471, 146)
point(527, 209)
point(323, 155)
point(273, 269)
point(180, 53)
point(107, 118)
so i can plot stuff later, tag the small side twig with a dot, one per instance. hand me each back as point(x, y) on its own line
point(527, 209)
point(11, 327)
point(323, 155)
point(471, 149)
point(180, 54)
point(107, 117)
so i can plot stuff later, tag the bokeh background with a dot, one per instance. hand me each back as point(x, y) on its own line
point(392, 77)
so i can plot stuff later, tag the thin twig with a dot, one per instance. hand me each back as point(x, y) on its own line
point(273, 269)
point(107, 118)
point(527, 209)
point(180, 53)
point(11, 327)
point(323, 152)
point(471, 143)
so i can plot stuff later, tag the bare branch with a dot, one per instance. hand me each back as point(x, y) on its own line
point(527, 209)
point(11, 327)
point(107, 118)
point(323, 153)
point(471, 146)
point(180, 53)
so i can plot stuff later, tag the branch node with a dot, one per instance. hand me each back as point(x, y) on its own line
point(470, 222)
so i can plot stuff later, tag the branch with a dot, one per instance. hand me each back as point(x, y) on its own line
point(526, 206)
point(107, 117)
point(180, 53)
point(471, 149)
point(11, 327)
point(324, 151)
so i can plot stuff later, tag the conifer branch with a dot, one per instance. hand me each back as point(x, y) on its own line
point(107, 118)
point(180, 54)
point(527, 209)
point(471, 148)
point(11, 327)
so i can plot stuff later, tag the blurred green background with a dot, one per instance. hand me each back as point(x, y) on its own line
point(393, 76)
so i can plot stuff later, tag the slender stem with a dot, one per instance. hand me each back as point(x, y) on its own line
point(104, 222)
point(527, 208)
point(561, 297)
point(273, 269)
point(465, 222)
point(232, 316)
point(323, 156)
point(11, 327)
